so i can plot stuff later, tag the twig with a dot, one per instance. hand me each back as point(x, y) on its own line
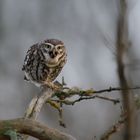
point(65, 93)
point(32, 128)
point(86, 94)
point(77, 91)
point(115, 128)
point(58, 105)
point(115, 101)
point(68, 102)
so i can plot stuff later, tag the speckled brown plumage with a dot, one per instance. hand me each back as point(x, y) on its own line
point(44, 61)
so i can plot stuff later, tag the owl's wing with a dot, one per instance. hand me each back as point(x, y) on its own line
point(29, 62)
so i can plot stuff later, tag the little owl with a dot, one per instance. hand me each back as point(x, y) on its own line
point(44, 61)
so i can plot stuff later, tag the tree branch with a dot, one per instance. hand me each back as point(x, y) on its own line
point(69, 92)
point(47, 95)
point(115, 128)
point(69, 102)
point(122, 45)
point(37, 102)
point(85, 95)
point(32, 128)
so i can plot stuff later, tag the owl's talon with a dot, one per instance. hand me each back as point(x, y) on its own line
point(63, 81)
point(25, 78)
point(53, 86)
point(57, 83)
point(61, 123)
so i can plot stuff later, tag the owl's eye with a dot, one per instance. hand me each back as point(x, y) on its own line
point(48, 46)
point(59, 47)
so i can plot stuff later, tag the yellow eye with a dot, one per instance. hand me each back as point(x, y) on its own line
point(48, 46)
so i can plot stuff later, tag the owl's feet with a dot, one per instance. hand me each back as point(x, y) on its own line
point(53, 86)
point(57, 83)
point(25, 78)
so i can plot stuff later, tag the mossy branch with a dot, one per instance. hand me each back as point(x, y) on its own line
point(32, 128)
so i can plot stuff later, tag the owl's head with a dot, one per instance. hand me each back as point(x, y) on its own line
point(54, 51)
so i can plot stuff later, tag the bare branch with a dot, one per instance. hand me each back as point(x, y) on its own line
point(77, 91)
point(47, 95)
point(115, 128)
point(37, 103)
point(86, 94)
point(69, 102)
point(122, 45)
point(32, 128)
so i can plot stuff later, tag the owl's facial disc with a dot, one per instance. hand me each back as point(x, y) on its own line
point(56, 54)
point(53, 54)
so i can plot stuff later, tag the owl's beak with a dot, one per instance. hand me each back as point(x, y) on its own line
point(53, 53)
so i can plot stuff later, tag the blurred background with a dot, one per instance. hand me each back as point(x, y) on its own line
point(88, 29)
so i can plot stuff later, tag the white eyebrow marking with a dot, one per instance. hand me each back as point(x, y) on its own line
point(59, 45)
point(49, 44)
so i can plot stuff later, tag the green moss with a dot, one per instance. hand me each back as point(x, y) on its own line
point(6, 127)
point(12, 134)
point(137, 102)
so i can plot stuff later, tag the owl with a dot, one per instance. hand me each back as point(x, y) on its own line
point(44, 61)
